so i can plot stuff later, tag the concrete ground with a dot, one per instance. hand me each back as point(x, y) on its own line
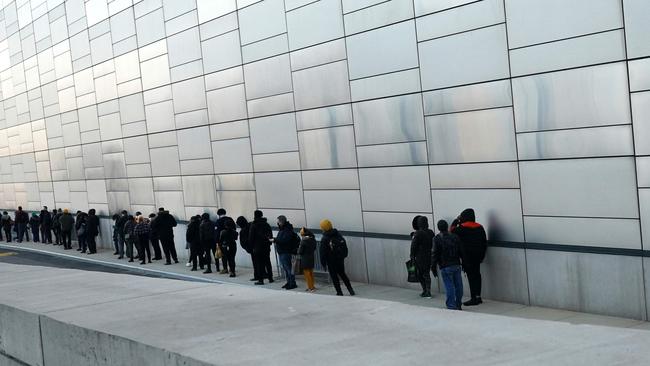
point(96, 318)
point(405, 296)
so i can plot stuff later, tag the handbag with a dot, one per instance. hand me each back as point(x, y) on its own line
point(412, 271)
point(297, 265)
point(219, 253)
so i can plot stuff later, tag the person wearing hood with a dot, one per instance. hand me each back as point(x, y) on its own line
point(56, 227)
point(260, 236)
point(155, 240)
point(67, 224)
point(6, 225)
point(82, 233)
point(228, 242)
point(163, 226)
point(21, 219)
point(474, 246)
point(306, 252)
point(220, 225)
point(46, 226)
point(141, 231)
point(421, 245)
point(129, 236)
point(92, 231)
point(208, 241)
point(193, 238)
point(447, 255)
point(333, 251)
point(119, 228)
point(244, 231)
point(286, 244)
point(34, 224)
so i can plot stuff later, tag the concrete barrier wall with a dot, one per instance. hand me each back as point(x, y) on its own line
point(28, 339)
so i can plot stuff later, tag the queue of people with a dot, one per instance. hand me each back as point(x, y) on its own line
point(459, 248)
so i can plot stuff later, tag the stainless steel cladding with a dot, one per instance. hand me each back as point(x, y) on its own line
point(367, 112)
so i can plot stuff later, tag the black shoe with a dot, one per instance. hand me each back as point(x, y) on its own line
point(120, 257)
point(149, 260)
point(260, 283)
point(207, 271)
point(426, 295)
point(130, 260)
point(168, 263)
point(193, 269)
point(352, 293)
point(285, 285)
point(78, 249)
point(253, 279)
point(143, 263)
point(473, 301)
point(202, 267)
point(116, 253)
point(291, 287)
point(339, 294)
point(233, 275)
point(271, 280)
point(175, 260)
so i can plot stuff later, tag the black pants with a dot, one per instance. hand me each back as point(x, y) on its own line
point(229, 255)
point(57, 236)
point(155, 243)
point(35, 235)
point(208, 253)
point(196, 255)
point(46, 234)
point(169, 249)
point(473, 271)
point(262, 262)
point(143, 248)
point(256, 274)
point(8, 234)
point(336, 270)
point(224, 258)
point(83, 244)
point(66, 239)
point(424, 275)
point(92, 245)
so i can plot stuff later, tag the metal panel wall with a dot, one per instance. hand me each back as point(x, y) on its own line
point(367, 112)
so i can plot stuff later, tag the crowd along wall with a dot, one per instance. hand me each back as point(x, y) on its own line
point(534, 112)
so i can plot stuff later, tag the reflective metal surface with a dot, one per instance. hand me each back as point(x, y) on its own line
point(366, 112)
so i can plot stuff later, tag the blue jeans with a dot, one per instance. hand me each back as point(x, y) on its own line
point(285, 262)
point(451, 277)
point(20, 231)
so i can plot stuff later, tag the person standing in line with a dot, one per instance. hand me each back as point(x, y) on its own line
point(208, 242)
point(155, 240)
point(306, 251)
point(93, 231)
point(116, 238)
point(193, 238)
point(260, 236)
point(421, 245)
point(82, 233)
point(286, 244)
point(21, 219)
point(119, 228)
point(141, 231)
point(220, 225)
point(164, 225)
point(56, 227)
point(244, 232)
point(34, 224)
point(474, 246)
point(333, 251)
point(67, 224)
point(129, 236)
point(228, 241)
point(6, 225)
point(447, 256)
point(46, 226)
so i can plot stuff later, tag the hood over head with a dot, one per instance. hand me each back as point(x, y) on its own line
point(423, 223)
point(241, 221)
point(468, 215)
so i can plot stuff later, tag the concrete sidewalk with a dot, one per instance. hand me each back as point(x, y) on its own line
point(53, 316)
point(364, 290)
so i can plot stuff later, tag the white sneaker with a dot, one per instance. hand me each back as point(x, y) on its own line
point(188, 264)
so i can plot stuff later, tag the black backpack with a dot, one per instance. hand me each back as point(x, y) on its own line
point(339, 247)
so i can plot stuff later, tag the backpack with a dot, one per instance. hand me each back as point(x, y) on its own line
point(339, 247)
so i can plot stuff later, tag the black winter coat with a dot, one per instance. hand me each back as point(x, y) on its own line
point(120, 222)
point(243, 239)
point(46, 218)
point(228, 240)
point(220, 226)
point(260, 235)
point(21, 217)
point(284, 241)
point(473, 241)
point(206, 234)
point(447, 251)
point(421, 246)
point(67, 222)
point(326, 253)
point(92, 225)
point(193, 234)
point(163, 225)
point(34, 222)
point(307, 252)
